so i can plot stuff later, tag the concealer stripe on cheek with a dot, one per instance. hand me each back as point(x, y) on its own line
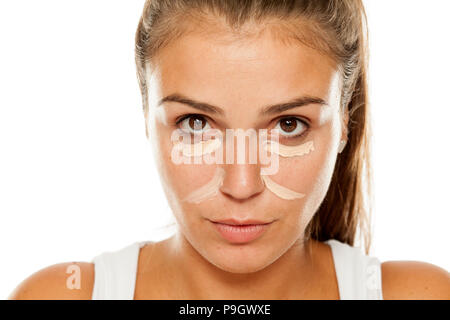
point(280, 191)
point(289, 151)
point(285, 151)
point(209, 190)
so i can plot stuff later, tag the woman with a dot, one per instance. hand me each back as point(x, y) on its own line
point(291, 74)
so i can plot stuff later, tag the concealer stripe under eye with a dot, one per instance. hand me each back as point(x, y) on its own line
point(198, 149)
point(289, 151)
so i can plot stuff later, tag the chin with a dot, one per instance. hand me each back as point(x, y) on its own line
point(241, 267)
point(242, 259)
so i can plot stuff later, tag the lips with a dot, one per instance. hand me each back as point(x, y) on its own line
point(235, 222)
point(240, 231)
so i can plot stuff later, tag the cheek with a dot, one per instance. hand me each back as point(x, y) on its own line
point(302, 173)
point(319, 179)
point(309, 174)
point(319, 169)
point(179, 180)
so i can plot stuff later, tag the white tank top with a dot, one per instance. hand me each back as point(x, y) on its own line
point(358, 275)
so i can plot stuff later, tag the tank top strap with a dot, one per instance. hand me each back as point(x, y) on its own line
point(115, 273)
point(358, 275)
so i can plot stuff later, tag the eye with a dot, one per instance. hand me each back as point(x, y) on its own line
point(193, 123)
point(291, 127)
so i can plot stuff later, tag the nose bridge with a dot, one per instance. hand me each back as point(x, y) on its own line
point(242, 170)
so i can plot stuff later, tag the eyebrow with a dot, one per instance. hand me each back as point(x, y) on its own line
point(272, 109)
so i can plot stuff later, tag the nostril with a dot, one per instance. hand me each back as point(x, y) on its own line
point(242, 182)
point(241, 194)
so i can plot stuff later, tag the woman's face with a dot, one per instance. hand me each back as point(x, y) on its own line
point(243, 78)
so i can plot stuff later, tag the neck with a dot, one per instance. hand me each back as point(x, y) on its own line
point(198, 278)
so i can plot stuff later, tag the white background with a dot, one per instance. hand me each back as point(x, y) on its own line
point(77, 176)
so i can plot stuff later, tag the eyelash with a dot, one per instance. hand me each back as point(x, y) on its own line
point(304, 122)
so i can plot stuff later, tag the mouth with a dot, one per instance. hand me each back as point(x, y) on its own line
point(235, 222)
point(235, 231)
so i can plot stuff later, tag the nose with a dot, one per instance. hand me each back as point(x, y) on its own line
point(242, 181)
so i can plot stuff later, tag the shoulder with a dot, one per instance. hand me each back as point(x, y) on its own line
point(63, 281)
point(405, 280)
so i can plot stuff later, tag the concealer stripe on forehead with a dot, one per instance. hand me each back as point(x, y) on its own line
point(209, 190)
point(199, 148)
point(280, 191)
point(289, 151)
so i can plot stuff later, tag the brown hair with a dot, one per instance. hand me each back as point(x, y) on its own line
point(336, 27)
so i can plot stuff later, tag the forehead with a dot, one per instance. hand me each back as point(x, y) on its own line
point(255, 70)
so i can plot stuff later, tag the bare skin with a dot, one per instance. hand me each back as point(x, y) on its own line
point(242, 77)
point(402, 280)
